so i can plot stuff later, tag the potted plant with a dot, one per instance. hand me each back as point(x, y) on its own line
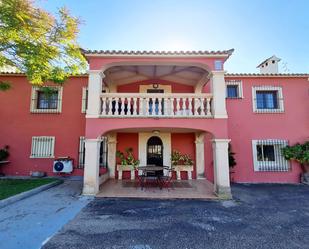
point(127, 161)
point(181, 162)
point(232, 163)
point(299, 153)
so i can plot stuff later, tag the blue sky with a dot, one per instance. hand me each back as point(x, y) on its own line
point(255, 29)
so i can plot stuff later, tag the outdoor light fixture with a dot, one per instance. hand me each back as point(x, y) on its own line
point(156, 132)
point(155, 86)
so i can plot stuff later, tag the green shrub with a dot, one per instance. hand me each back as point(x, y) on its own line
point(4, 153)
point(298, 152)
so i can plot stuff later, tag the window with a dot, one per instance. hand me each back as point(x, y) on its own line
point(234, 89)
point(46, 101)
point(84, 99)
point(267, 99)
point(268, 156)
point(218, 65)
point(265, 152)
point(42, 147)
point(103, 152)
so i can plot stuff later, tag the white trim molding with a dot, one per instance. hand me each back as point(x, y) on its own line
point(34, 99)
point(280, 105)
point(142, 147)
point(237, 83)
point(263, 164)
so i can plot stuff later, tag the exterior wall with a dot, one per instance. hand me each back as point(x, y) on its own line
point(208, 152)
point(124, 141)
point(245, 126)
point(18, 125)
point(184, 143)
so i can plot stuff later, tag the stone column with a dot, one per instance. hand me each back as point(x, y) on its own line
point(94, 91)
point(221, 167)
point(111, 156)
point(92, 166)
point(199, 155)
point(217, 87)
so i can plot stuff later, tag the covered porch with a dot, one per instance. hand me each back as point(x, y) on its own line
point(206, 177)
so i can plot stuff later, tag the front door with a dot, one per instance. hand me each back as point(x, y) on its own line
point(155, 151)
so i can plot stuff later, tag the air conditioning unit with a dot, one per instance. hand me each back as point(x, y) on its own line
point(63, 165)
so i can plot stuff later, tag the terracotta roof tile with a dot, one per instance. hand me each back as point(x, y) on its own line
point(267, 75)
point(126, 52)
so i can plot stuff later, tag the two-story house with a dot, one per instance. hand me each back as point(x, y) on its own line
point(154, 103)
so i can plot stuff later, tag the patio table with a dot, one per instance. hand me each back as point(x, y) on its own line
point(153, 170)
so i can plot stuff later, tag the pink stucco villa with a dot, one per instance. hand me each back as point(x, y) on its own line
point(155, 103)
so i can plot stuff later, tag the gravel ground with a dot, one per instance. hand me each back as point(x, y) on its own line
point(260, 216)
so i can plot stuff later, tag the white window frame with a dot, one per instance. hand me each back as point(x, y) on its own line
point(40, 147)
point(279, 165)
point(34, 100)
point(84, 99)
point(218, 65)
point(237, 83)
point(278, 89)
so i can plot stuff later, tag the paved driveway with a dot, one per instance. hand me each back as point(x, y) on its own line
point(262, 216)
point(29, 222)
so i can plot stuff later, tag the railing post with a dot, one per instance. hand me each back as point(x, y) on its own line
point(208, 111)
point(134, 106)
point(141, 106)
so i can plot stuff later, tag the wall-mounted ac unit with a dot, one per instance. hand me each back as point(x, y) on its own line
point(63, 165)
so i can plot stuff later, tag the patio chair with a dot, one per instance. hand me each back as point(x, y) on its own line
point(145, 175)
point(166, 179)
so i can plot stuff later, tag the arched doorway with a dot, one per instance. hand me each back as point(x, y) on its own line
point(155, 151)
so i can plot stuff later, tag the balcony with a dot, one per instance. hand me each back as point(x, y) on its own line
point(148, 105)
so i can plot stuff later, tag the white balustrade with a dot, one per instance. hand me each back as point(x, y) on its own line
point(171, 105)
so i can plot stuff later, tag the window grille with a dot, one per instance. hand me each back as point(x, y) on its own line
point(84, 99)
point(234, 89)
point(267, 99)
point(103, 152)
point(42, 147)
point(43, 102)
point(267, 155)
point(81, 152)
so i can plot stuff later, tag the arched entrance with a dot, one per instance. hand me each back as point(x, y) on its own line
point(155, 151)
